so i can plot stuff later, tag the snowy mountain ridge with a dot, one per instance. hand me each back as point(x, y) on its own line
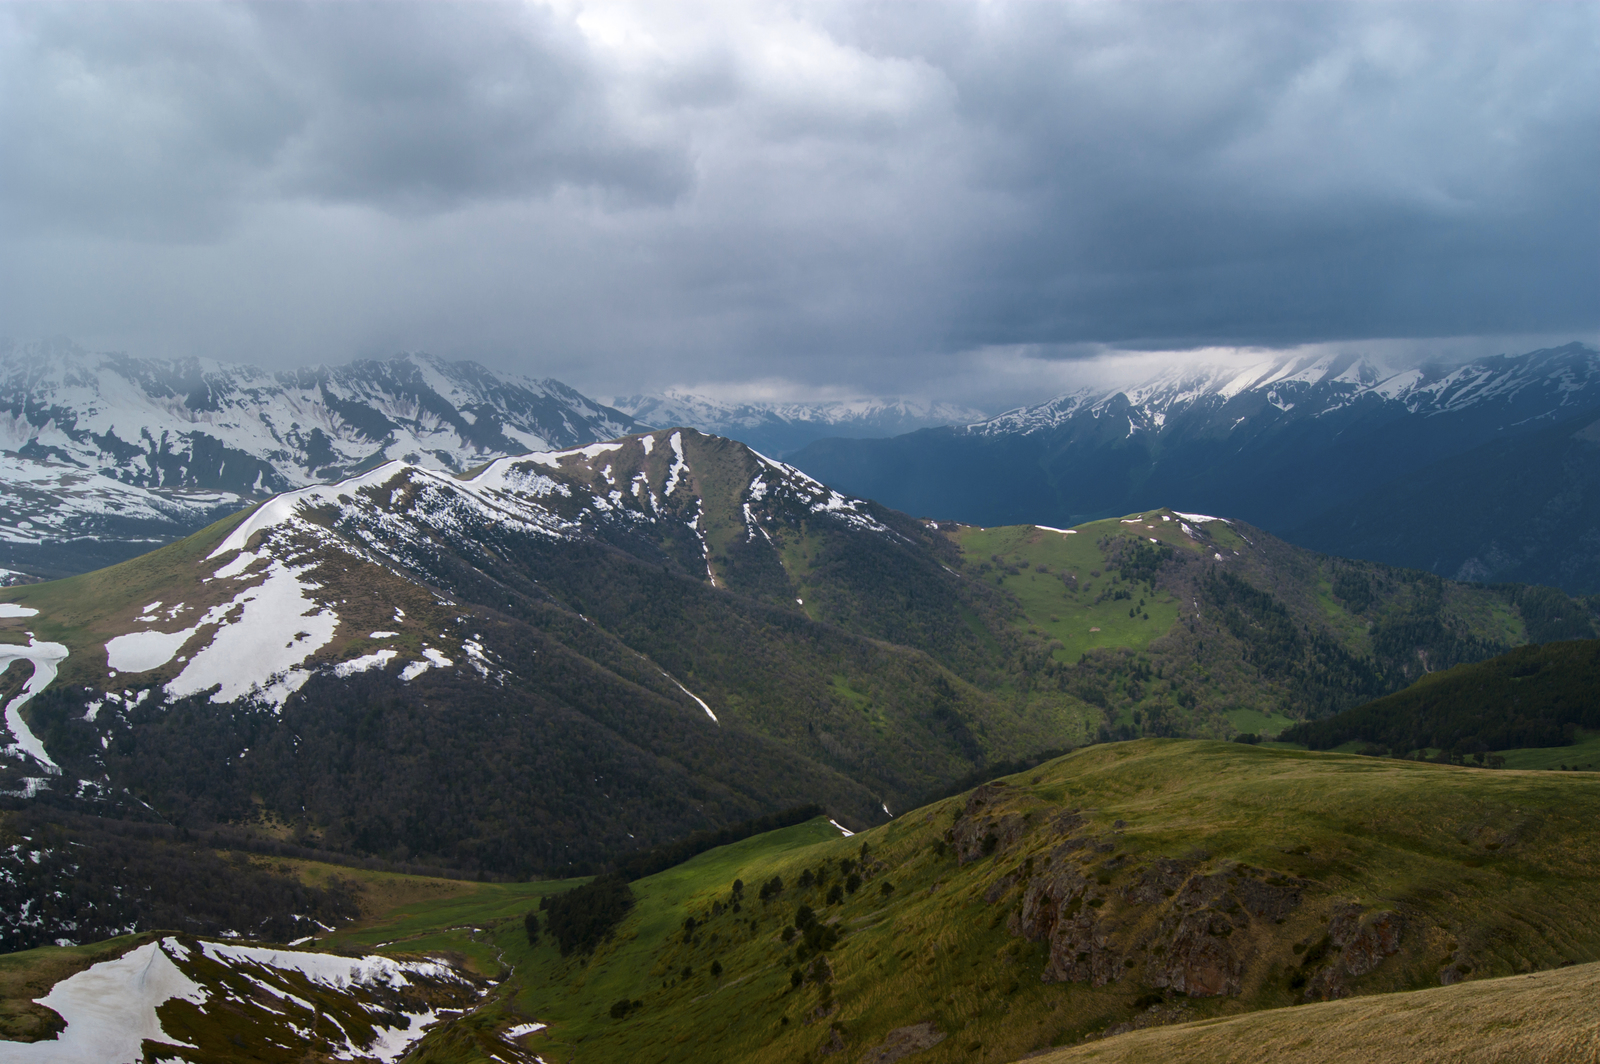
point(1320, 385)
point(268, 607)
point(123, 452)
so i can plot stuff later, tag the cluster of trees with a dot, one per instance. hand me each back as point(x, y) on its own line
point(583, 917)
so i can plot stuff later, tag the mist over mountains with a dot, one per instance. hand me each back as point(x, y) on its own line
point(105, 456)
point(779, 428)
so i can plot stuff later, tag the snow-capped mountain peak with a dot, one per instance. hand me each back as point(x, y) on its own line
point(124, 450)
point(1319, 385)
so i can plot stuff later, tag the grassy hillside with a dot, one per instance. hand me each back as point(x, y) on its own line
point(1151, 882)
point(1211, 628)
point(1205, 879)
point(1540, 1018)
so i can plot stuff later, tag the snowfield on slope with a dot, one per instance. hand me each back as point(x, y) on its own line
point(110, 1008)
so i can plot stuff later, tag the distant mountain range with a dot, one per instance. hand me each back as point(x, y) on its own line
point(1495, 458)
point(104, 456)
point(780, 428)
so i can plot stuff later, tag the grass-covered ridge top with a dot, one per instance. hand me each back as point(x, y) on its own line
point(1209, 879)
point(1540, 1018)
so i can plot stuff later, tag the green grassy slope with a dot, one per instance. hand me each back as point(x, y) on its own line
point(1175, 869)
point(1212, 628)
point(1482, 874)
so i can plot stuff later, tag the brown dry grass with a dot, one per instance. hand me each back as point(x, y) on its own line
point(1545, 1018)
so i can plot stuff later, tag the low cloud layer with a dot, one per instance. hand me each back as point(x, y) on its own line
point(896, 198)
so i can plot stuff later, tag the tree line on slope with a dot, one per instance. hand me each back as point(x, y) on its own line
point(84, 882)
point(1532, 696)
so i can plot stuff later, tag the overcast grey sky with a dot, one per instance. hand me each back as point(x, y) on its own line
point(807, 199)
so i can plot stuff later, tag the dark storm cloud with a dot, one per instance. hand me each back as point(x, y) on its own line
point(867, 197)
point(167, 121)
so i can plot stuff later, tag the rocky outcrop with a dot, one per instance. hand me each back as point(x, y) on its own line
point(977, 833)
point(902, 1042)
point(1362, 940)
point(1187, 947)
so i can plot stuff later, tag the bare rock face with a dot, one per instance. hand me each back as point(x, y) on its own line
point(1366, 938)
point(1187, 948)
point(1199, 961)
point(1363, 940)
point(902, 1042)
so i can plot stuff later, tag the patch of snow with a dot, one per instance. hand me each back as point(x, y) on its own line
point(886, 808)
point(382, 635)
point(281, 508)
point(238, 565)
point(525, 1028)
point(647, 442)
point(143, 651)
point(679, 464)
point(1199, 519)
point(376, 660)
point(329, 969)
point(11, 609)
point(262, 651)
point(110, 1010)
point(1063, 531)
point(844, 830)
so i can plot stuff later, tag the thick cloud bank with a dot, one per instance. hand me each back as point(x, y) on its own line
point(869, 197)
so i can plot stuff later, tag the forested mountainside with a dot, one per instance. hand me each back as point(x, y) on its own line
point(1312, 450)
point(1524, 508)
point(1533, 696)
point(103, 456)
point(567, 656)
